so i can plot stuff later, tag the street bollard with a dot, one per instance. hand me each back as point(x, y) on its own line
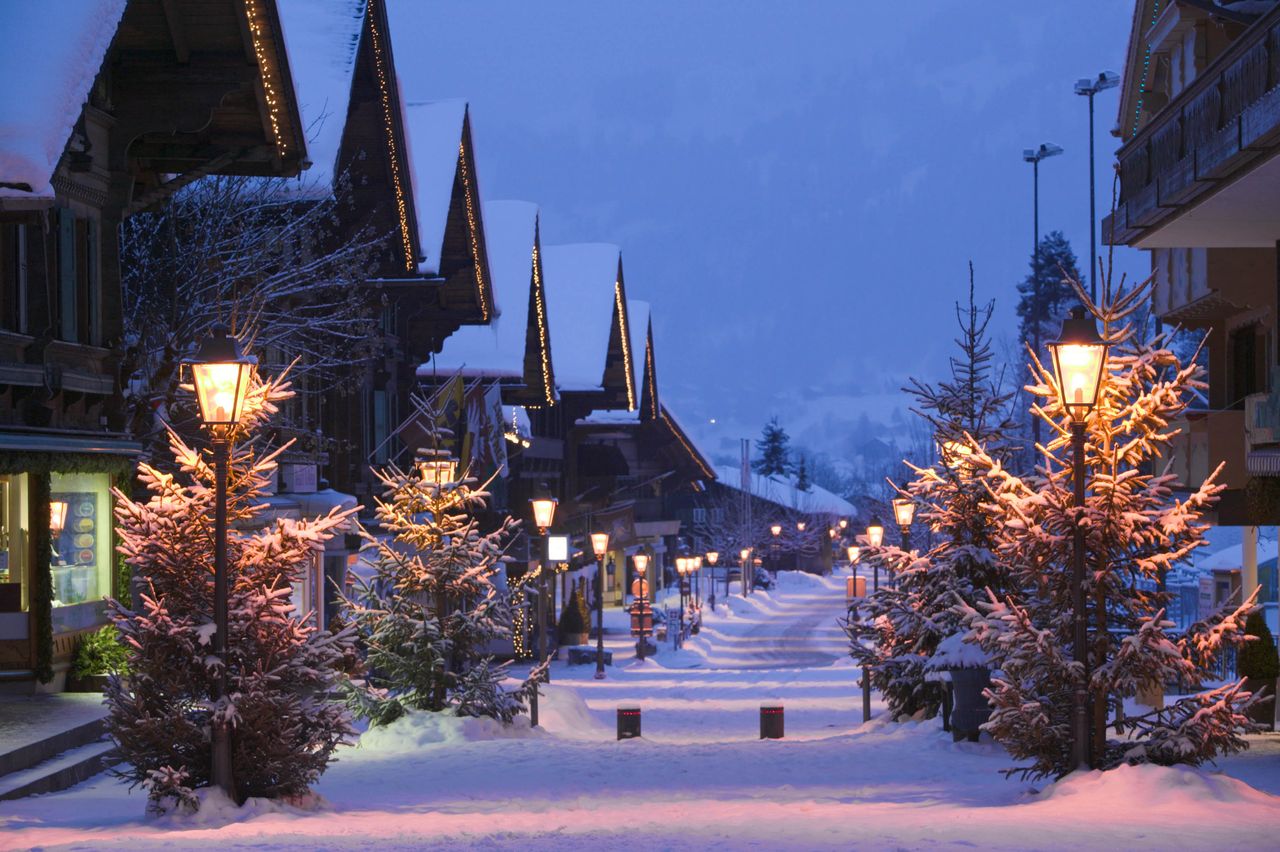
point(771, 721)
point(866, 694)
point(628, 722)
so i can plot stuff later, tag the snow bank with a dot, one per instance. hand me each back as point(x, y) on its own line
point(420, 729)
point(1135, 788)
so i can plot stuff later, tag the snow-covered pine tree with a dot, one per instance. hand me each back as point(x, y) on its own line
point(279, 667)
point(896, 629)
point(1136, 530)
point(774, 457)
point(431, 609)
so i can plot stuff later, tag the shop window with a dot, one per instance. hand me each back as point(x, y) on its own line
point(14, 540)
point(80, 564)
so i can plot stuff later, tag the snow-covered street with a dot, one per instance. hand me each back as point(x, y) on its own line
point(700, 777)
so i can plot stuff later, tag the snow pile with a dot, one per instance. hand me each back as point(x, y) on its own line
point(955, 653)
point(51, 56)
point(419, 729)
point(216, 810)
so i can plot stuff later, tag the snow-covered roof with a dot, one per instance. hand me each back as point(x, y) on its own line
point(638, 325)
point(323, 37)
point(433, 134)
point(783, 491)
point(497, 349)
point(580, 281)
point(51, 55)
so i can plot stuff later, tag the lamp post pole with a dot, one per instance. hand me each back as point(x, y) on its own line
point(1088, 88)
point(1034, 156)
point(221, 376)
point(600, 546)
point(223, 777)
point(543, 506)
point(1079, 362)
point(875, 538)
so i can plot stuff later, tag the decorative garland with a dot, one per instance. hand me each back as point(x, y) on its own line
point(64, 462)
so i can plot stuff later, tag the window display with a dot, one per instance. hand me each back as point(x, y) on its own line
point(13, 543)
point(80, 528)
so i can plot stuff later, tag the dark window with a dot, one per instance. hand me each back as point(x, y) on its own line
point(1245, 365)
point(14, 309)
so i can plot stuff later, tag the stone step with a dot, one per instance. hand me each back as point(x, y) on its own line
point(35, 753)
point(59, 772)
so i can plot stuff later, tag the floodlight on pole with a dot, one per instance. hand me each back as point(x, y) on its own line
point(1088, 88)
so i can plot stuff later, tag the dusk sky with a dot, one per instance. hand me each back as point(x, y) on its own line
point(797, 187)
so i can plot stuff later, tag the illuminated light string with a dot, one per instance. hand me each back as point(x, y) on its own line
point(653, 384)
point(269, 89)
point(474, 231)
point(626, 345)
point(540, 311)
point(1146, 66)
point(675, 430)
point(388, 121)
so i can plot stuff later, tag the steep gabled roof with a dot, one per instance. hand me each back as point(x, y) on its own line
point(323, 37)
point(587, 305)
point(650, 403)
point(52, 53)
point(516, 344)
point(783, 492)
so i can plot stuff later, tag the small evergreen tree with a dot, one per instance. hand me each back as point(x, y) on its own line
point(572, 623)
point(278, 667)
point(431, 609)
point(898, 627)
point(1055, 264)
point(802, 477)
point(1135, 531)
point(774, 457)
point(1258, 660)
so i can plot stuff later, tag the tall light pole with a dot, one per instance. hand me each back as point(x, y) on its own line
point(1034, 156)
point(544, 512)
point(1088, 88)
point(221, 376)
point(1079, 359)
point(776, 531)
point(744, 557)
point(875, 538)
point(713, 556)
point(600, 546)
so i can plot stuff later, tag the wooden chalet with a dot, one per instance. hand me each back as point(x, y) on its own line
point(106, 111)
point(411, 176)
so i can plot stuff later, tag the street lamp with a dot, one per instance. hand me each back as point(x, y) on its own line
point(221, 377)
point(955, 454)
point(543, 506)
point(1088, 88)
point(875, 537)
point(600, 546)
point(641, 561)
point(712, 557)
point(800, 525)
point(844, 523)
point(437, 467)
point(1034, 156)
point(744, 556)
point(1079, 357)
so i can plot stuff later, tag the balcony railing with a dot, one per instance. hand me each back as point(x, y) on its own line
point(1227, 117)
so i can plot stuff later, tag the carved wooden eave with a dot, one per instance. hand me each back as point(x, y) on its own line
point(539, 371)
point(618, 379)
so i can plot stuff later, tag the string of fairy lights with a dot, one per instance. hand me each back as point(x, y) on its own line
point(473, 230)
point(651, 375)
point(1146, 67)
point(675, 430)
point(540, 311)
point(393, 154)
point(626, 345)
point(270, 85)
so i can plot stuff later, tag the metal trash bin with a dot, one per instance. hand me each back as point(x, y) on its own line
point(771, 724)
point(628, 722)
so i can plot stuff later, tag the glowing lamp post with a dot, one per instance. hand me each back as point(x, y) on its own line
point(600, 546)
point(543, 506)
point(800, 525)
point(1079, 357)
point(641, 561)
point(221, 377)
point(776, 529)
point(713, 556)
point(744, 560)
point(844, 523)
point(904, 512)
point(875, 538)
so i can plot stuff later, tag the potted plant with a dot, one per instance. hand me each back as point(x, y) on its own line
point(572, 627)
point(1259, 664)
point(98, 655)
point(967, 667)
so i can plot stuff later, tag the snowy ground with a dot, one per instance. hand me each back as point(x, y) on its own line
point(700, 777)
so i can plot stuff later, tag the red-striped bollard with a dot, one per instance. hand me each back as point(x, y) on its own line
point(628, 722)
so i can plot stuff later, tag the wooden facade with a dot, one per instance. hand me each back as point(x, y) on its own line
point(182, 89)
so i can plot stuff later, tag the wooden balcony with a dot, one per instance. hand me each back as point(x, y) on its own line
point(1207, 439)
point(1225, 123)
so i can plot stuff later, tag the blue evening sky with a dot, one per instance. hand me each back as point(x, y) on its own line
point(797, 187)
